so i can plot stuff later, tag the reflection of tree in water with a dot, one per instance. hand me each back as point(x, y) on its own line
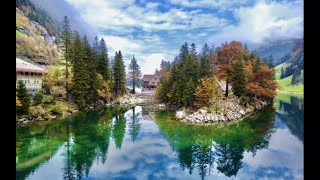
point(229, 159)
point(87, 138)
point(119, 129)
point(91, 137)
point(193, 144)
point(91, 141)
point(293, 116)
point(35, 145)
point(134, 124)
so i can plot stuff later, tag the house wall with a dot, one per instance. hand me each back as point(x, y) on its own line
point(32, 81)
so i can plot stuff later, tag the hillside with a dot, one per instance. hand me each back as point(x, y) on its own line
point(285, 84)
point(296, 60)
point(278, 49)
point(33, 41)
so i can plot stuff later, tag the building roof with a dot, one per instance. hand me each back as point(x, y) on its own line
point(154, 81)
point(23, 66)
point(147, 77)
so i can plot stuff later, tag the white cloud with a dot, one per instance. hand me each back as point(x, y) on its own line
point(106, 15)
point(120, 43)
point(215, 4)
point(284, 151)
point(152, 62)
point(141, 29)
point(152, 5)
point(264, 21)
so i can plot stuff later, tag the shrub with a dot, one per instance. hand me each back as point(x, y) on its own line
point(37, 111)
point(38, 97)
point(60, 108)
point(58, 91)
point(23, 96)
point(18, 103)
point(48, 99)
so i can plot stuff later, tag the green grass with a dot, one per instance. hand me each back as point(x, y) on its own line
point(285, 84)
point(278, 69)
point(20, 34)
point(287, 88)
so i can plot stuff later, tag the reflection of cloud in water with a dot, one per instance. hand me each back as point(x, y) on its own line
point(51, 170)
point(149, 157)
point(284, 156)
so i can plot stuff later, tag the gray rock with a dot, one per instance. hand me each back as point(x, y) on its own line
point(215, 117)
point(242, 112)
point(23, 119)
point(26, 121)
point(180, 114)
point(202, 111)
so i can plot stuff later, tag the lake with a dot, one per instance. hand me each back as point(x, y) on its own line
point(121, 143)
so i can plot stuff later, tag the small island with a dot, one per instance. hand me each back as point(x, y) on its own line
point(217, 85)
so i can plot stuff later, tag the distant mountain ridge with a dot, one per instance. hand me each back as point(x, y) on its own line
point(279, 49)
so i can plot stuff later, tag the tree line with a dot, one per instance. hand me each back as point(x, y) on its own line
point(91, 78)
point(193, 78)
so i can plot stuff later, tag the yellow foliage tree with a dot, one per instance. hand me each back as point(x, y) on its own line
point(206, 92)
point(104, 91)
point(18, 103)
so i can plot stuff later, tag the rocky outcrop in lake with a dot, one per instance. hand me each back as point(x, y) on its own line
point(233, 112)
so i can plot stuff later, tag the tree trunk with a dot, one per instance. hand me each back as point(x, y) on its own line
point(67, 75)
point(227, 87)
point(133, 83)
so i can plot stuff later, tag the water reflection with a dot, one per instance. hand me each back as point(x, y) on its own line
point(202, 146)
point(119, 143)
point(292, 114)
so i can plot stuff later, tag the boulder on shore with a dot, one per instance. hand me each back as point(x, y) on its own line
point(181, 114)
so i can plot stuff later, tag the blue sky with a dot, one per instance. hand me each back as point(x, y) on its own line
point(155, 30)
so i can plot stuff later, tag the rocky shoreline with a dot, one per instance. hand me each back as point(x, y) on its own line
point(47, 118)
point(126, 100)
point(233, 113)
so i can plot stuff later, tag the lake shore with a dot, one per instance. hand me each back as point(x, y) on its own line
point(232, 113)
point(126, 100)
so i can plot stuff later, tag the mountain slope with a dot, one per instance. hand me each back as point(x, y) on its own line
point(34, 42)
point(278, 49)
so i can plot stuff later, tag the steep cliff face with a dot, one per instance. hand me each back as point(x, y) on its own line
point(33, 40)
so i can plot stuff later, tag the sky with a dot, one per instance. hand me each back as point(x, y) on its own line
point(153, 30)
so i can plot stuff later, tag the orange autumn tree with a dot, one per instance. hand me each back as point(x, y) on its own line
point(261, 82)
point(227, 54)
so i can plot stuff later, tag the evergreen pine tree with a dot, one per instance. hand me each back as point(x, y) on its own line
point(134, 73)
point(96, 45)
point(67, 50)
point(282, 73)
point(103, 65)
point(38, 97)
point(81, 74)
point(23, 96)
point(188, 93)
point(206, 65)
point(239, 78)
point(119, 74)
point(90, 63)
point(184, 52)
